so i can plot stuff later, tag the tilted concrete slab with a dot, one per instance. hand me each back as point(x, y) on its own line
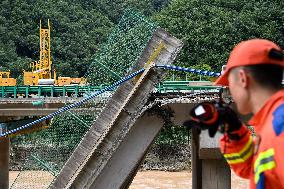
point(110, 132)
point(122, 165)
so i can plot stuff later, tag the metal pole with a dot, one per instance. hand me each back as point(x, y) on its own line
point(4, 158)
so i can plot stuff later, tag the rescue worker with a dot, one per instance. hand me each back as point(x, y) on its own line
point(253, 73)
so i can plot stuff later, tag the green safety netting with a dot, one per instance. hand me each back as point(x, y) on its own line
point(37, 157)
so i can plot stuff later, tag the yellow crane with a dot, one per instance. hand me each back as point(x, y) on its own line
point(41, 69)
point(41, 73)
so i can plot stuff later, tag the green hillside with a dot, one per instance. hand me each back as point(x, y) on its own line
point(209, 29)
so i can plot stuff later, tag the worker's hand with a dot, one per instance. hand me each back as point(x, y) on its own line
point(229, 120)
point(214, 117)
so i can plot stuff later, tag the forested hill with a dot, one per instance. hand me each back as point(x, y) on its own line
point(209, 28)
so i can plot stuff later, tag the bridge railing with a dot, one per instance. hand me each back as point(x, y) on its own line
point(48, 91)
point(185, 86)
point(78, 91)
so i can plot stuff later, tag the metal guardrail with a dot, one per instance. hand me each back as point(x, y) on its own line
point(78, 91)
point(184, 86)
point(48, 91)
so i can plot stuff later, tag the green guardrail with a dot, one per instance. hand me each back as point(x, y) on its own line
point(50, 91)
point(77, 90)
point(185, 86)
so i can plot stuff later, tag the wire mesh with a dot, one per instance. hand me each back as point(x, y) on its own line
point(37, 157)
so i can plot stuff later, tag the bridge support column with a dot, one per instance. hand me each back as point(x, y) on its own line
point(4, 158)
point(209, 168)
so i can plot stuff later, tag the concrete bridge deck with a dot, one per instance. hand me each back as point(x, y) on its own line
point(44, 106)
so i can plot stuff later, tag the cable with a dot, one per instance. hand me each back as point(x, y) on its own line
point(108, 88)
point(191, 70)
point(66, 108)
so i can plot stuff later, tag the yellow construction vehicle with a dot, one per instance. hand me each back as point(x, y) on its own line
point(41, 70)
point(6, 80)
point(61, 81)
point(42, 73)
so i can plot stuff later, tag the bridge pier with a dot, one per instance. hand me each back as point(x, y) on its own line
point(4, 158)
point(209, 168)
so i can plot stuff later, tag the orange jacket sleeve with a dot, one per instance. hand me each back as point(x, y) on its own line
point(278, 146)
point(239, 153)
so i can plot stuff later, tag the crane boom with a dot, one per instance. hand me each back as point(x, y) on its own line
point(41, 69)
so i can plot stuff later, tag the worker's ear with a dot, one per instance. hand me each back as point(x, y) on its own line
point(243, 78)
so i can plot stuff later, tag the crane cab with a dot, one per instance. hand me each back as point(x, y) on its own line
point(6, 80)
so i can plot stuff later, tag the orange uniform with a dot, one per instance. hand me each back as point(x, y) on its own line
point(260, 158)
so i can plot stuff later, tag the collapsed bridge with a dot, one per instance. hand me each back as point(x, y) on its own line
point(112, 148)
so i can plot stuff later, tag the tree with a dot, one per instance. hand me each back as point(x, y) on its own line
point(210, 29)
point(75, 34)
